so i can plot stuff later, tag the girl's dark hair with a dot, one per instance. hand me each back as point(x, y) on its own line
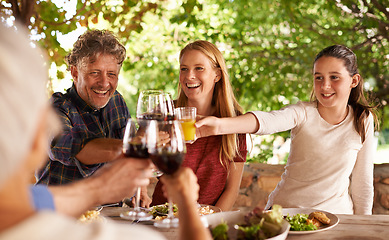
point(357, 99)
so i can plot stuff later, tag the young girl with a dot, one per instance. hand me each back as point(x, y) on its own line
point(330, 166)
point(217, 161)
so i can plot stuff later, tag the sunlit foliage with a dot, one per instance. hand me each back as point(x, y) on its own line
point(269, 45)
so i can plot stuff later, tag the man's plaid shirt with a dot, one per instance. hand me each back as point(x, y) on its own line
point(82, 123)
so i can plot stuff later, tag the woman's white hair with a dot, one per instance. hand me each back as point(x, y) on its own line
point(23, 80)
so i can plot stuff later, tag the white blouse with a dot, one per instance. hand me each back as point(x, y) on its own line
point(328, 166)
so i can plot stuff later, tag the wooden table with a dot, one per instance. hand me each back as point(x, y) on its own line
point(350, 227)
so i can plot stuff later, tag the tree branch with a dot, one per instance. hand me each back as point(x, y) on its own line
point(369, 41)
point(381, 8)
point(27, 8)
point(15, 9)
point(64, 22)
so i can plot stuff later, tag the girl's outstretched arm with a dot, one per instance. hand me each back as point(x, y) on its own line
point(208, 126)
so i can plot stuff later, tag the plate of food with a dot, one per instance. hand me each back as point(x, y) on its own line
point(308, 220)
point(160, 211)
point(254, 224)
point(92, 215)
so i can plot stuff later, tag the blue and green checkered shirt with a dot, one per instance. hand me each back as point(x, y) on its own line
point(81, 124)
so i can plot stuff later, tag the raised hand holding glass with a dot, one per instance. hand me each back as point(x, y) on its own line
point(167, 153)
point(135, 144)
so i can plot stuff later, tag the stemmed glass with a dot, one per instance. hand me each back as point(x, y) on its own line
point(170, 109)
point(167, 153)
point(151, 105)
point(135, 142)
point(155, 105)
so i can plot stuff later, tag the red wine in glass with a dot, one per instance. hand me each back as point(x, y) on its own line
point(135, 145)
point(151, 105)
point(166, 162)
point(152, 116)
point(157, 116)
point(169, 118)
point(167, 154)
point(136, 150)
point(169, 107)
point(155, 105)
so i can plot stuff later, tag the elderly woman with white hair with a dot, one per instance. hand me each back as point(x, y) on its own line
point(26, 123)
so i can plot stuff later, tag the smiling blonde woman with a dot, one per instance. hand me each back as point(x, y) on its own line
point(219, 160)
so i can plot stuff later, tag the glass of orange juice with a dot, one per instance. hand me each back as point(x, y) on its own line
point(187, 117)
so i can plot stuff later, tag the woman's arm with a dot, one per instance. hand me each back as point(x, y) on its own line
point(230, 193)
point(208, 126)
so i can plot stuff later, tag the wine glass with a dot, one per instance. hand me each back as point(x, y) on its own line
point(151, 105)
point(167, 154)
point(135, 142)
point(155, 105)
point(169, 107)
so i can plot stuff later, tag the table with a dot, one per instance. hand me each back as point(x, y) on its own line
point(355, 227)
point(113, 213)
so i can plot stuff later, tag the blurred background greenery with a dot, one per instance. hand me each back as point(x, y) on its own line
point(269, 46)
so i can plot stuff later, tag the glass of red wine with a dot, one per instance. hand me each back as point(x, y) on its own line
point(167, 154)
point(151, 105)
point(135, 142)
point(155, 105)
point(169, 107)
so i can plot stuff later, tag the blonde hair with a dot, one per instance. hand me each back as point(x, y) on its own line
point(223, 98)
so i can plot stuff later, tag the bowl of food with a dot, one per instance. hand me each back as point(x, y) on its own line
point(255, 224)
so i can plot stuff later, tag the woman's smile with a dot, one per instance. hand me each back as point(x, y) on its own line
point(197, 76)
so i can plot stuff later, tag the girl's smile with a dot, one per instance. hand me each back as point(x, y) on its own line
point(332, 86)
